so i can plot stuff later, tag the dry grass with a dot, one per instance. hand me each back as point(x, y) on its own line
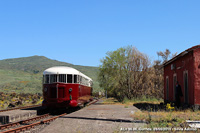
point(157, 115)
point(167, 118)
point(132, 101)
point(110, 101)
point(142, 99)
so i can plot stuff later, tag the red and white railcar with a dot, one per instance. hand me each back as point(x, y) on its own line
point(65, 87)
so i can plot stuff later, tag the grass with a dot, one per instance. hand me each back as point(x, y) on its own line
point(110, 101)
point(142, 99)
point(8, 76)
point(155, 115)
point(167, 118)
point(127, 101)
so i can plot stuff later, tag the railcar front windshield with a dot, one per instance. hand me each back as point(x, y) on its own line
point(53, 78)
point(69, 78)
point(66, 78)
point(62, 78)
point(46, 79)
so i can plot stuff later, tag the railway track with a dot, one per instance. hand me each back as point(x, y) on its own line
point(14, 124)
point(28, 124)
point(34, 124)
point(33, 106)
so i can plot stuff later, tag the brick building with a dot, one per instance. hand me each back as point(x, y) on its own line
point(184, 68)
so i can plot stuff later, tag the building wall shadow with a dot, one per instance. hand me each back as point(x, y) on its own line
point(149, 106)
point(161, 107)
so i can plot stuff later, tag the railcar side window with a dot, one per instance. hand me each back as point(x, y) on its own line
point(78, 79)
point(75, 78)
point(91, 83)
point(69, 78)
point(83, 80)
point(86, 82)
point(46, 79)
point(53, 78)
point(62, 78)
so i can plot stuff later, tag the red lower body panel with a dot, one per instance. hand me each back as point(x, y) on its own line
point(58, 95)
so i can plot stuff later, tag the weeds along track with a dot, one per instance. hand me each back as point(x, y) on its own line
point(25, 107)
point(33, 125)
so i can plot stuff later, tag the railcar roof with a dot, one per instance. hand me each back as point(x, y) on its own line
point(64, 70)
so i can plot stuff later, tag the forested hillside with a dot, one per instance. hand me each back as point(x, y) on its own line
point(25, 74)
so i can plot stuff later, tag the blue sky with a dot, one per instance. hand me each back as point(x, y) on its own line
point(81, 32)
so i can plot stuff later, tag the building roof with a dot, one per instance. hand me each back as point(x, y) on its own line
point(64, 70)
point(181, 54)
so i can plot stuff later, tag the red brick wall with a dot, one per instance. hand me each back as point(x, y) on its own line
point(197, 76)
point(184, 63)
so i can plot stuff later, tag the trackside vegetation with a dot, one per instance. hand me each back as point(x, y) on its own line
point(9, 100)
point(157, 115)
point(128, 73)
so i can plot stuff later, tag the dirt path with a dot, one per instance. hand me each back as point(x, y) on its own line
point(96, 118)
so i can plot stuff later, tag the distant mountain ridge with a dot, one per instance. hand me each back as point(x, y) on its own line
point(33, 66)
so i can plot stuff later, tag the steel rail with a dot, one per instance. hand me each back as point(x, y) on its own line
point(28, 127)
point(23, 122)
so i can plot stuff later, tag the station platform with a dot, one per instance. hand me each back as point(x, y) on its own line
point(16, 115)
point(97, 117)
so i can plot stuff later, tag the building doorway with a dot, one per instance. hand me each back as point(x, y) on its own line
point(174, 84)
point(167, 88)
point(185, 77)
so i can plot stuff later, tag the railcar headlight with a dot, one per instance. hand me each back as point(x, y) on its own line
point(70, 90)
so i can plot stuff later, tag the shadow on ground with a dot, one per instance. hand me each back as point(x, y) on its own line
point(149, 106)
point(161, 107)
point(104, 119)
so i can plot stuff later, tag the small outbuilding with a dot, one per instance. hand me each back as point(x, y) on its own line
point(184, 68)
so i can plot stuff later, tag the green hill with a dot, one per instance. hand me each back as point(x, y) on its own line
point(25, 74)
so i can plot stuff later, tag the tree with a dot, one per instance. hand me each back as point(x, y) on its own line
point(166, 55)
point(158, 71)
point(127, 72)
point(112, 72)
point(124, 73)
